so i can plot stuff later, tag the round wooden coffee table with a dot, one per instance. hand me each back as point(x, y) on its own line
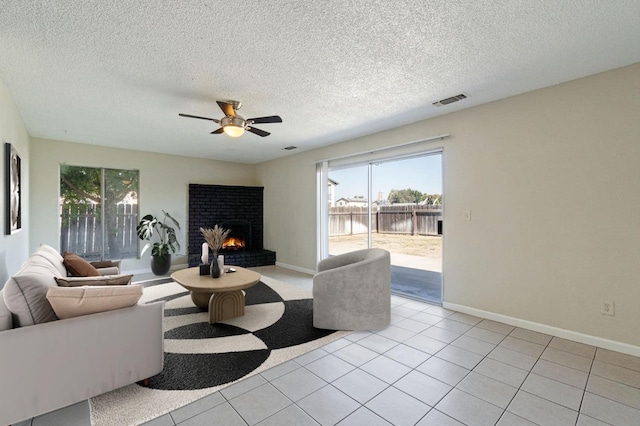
point(222, 296)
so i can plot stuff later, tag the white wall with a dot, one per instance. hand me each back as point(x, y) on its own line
point(14, 248)
point(164, 182)
point(552, 178)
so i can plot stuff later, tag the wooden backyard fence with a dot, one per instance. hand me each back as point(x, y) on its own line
point(393, 219)
point(81, 231)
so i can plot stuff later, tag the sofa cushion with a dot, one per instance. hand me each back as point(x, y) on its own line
point(79, 267)
point(25, 294)
point(51, 250)
point(69, 302)
point(94, 281)
point(51, 255)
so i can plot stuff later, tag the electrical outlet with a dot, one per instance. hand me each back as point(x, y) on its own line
point(607, 308)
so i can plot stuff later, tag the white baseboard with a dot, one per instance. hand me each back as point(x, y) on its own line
point(587, 339)
point(295, 268)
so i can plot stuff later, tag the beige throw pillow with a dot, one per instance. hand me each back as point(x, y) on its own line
point(69, 302)
point(94, 281)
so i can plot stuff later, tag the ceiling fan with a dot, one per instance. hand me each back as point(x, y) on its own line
point(233, 124)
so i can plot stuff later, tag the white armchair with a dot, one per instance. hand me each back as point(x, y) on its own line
point(352, 291)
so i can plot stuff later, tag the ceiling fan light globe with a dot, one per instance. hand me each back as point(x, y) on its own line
point(233, 130)
point(233, 126)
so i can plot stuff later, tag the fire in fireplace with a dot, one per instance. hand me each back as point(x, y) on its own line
point(239, 238)
point(233, 243)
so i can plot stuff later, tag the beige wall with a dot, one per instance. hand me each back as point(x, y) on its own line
point(164, 181)
point(552, 178)
point(290, 210)
point(14, 248)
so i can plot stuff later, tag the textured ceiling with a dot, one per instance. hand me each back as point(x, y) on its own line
point(117, 73)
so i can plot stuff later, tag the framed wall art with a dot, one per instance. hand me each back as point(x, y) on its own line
point(13, 190)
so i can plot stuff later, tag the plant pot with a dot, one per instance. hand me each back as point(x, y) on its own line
point(160, 265)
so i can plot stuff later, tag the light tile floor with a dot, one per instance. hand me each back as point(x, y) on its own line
point(431, 366)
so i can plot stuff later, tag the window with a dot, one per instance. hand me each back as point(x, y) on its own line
point(98, 212)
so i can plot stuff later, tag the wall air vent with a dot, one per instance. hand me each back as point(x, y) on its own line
point(450, 100)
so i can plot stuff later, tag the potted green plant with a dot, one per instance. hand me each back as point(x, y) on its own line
point(168, 242)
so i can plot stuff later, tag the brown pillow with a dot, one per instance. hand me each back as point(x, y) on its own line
point(94, 281)
point(79, 267)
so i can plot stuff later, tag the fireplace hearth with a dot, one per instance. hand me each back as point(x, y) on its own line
point(238, 208)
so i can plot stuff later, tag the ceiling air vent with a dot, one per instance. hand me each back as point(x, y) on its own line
point(450, 100)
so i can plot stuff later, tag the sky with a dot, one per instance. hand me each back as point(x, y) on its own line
point(422, 173)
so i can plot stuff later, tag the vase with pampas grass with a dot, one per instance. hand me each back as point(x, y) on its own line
point(215, 239)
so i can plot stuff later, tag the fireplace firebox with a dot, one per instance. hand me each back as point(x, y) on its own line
point(239, 238)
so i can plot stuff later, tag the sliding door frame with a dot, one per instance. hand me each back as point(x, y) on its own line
point(399, 152)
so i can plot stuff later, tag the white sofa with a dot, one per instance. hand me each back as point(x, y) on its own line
point(352, 291)
point(47, 363)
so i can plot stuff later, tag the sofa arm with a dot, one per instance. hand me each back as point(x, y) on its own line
point(107, 267)
point(111, 270)
point(62, 362)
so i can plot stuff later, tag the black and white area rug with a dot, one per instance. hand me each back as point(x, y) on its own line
point(201, 358)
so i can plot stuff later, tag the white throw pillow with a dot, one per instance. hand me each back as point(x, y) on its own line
point(69, 302)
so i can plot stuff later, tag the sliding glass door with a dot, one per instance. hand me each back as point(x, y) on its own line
point(348, 213)
point(395, 204)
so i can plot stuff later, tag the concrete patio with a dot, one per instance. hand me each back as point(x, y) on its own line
point(416, 277)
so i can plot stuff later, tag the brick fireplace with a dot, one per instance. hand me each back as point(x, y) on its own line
point(239, 208)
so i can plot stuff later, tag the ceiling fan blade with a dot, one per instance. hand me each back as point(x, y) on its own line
point(270, 119)
point(217, 132)
point(202, 118)
point(258, 131)
point(227, 108)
